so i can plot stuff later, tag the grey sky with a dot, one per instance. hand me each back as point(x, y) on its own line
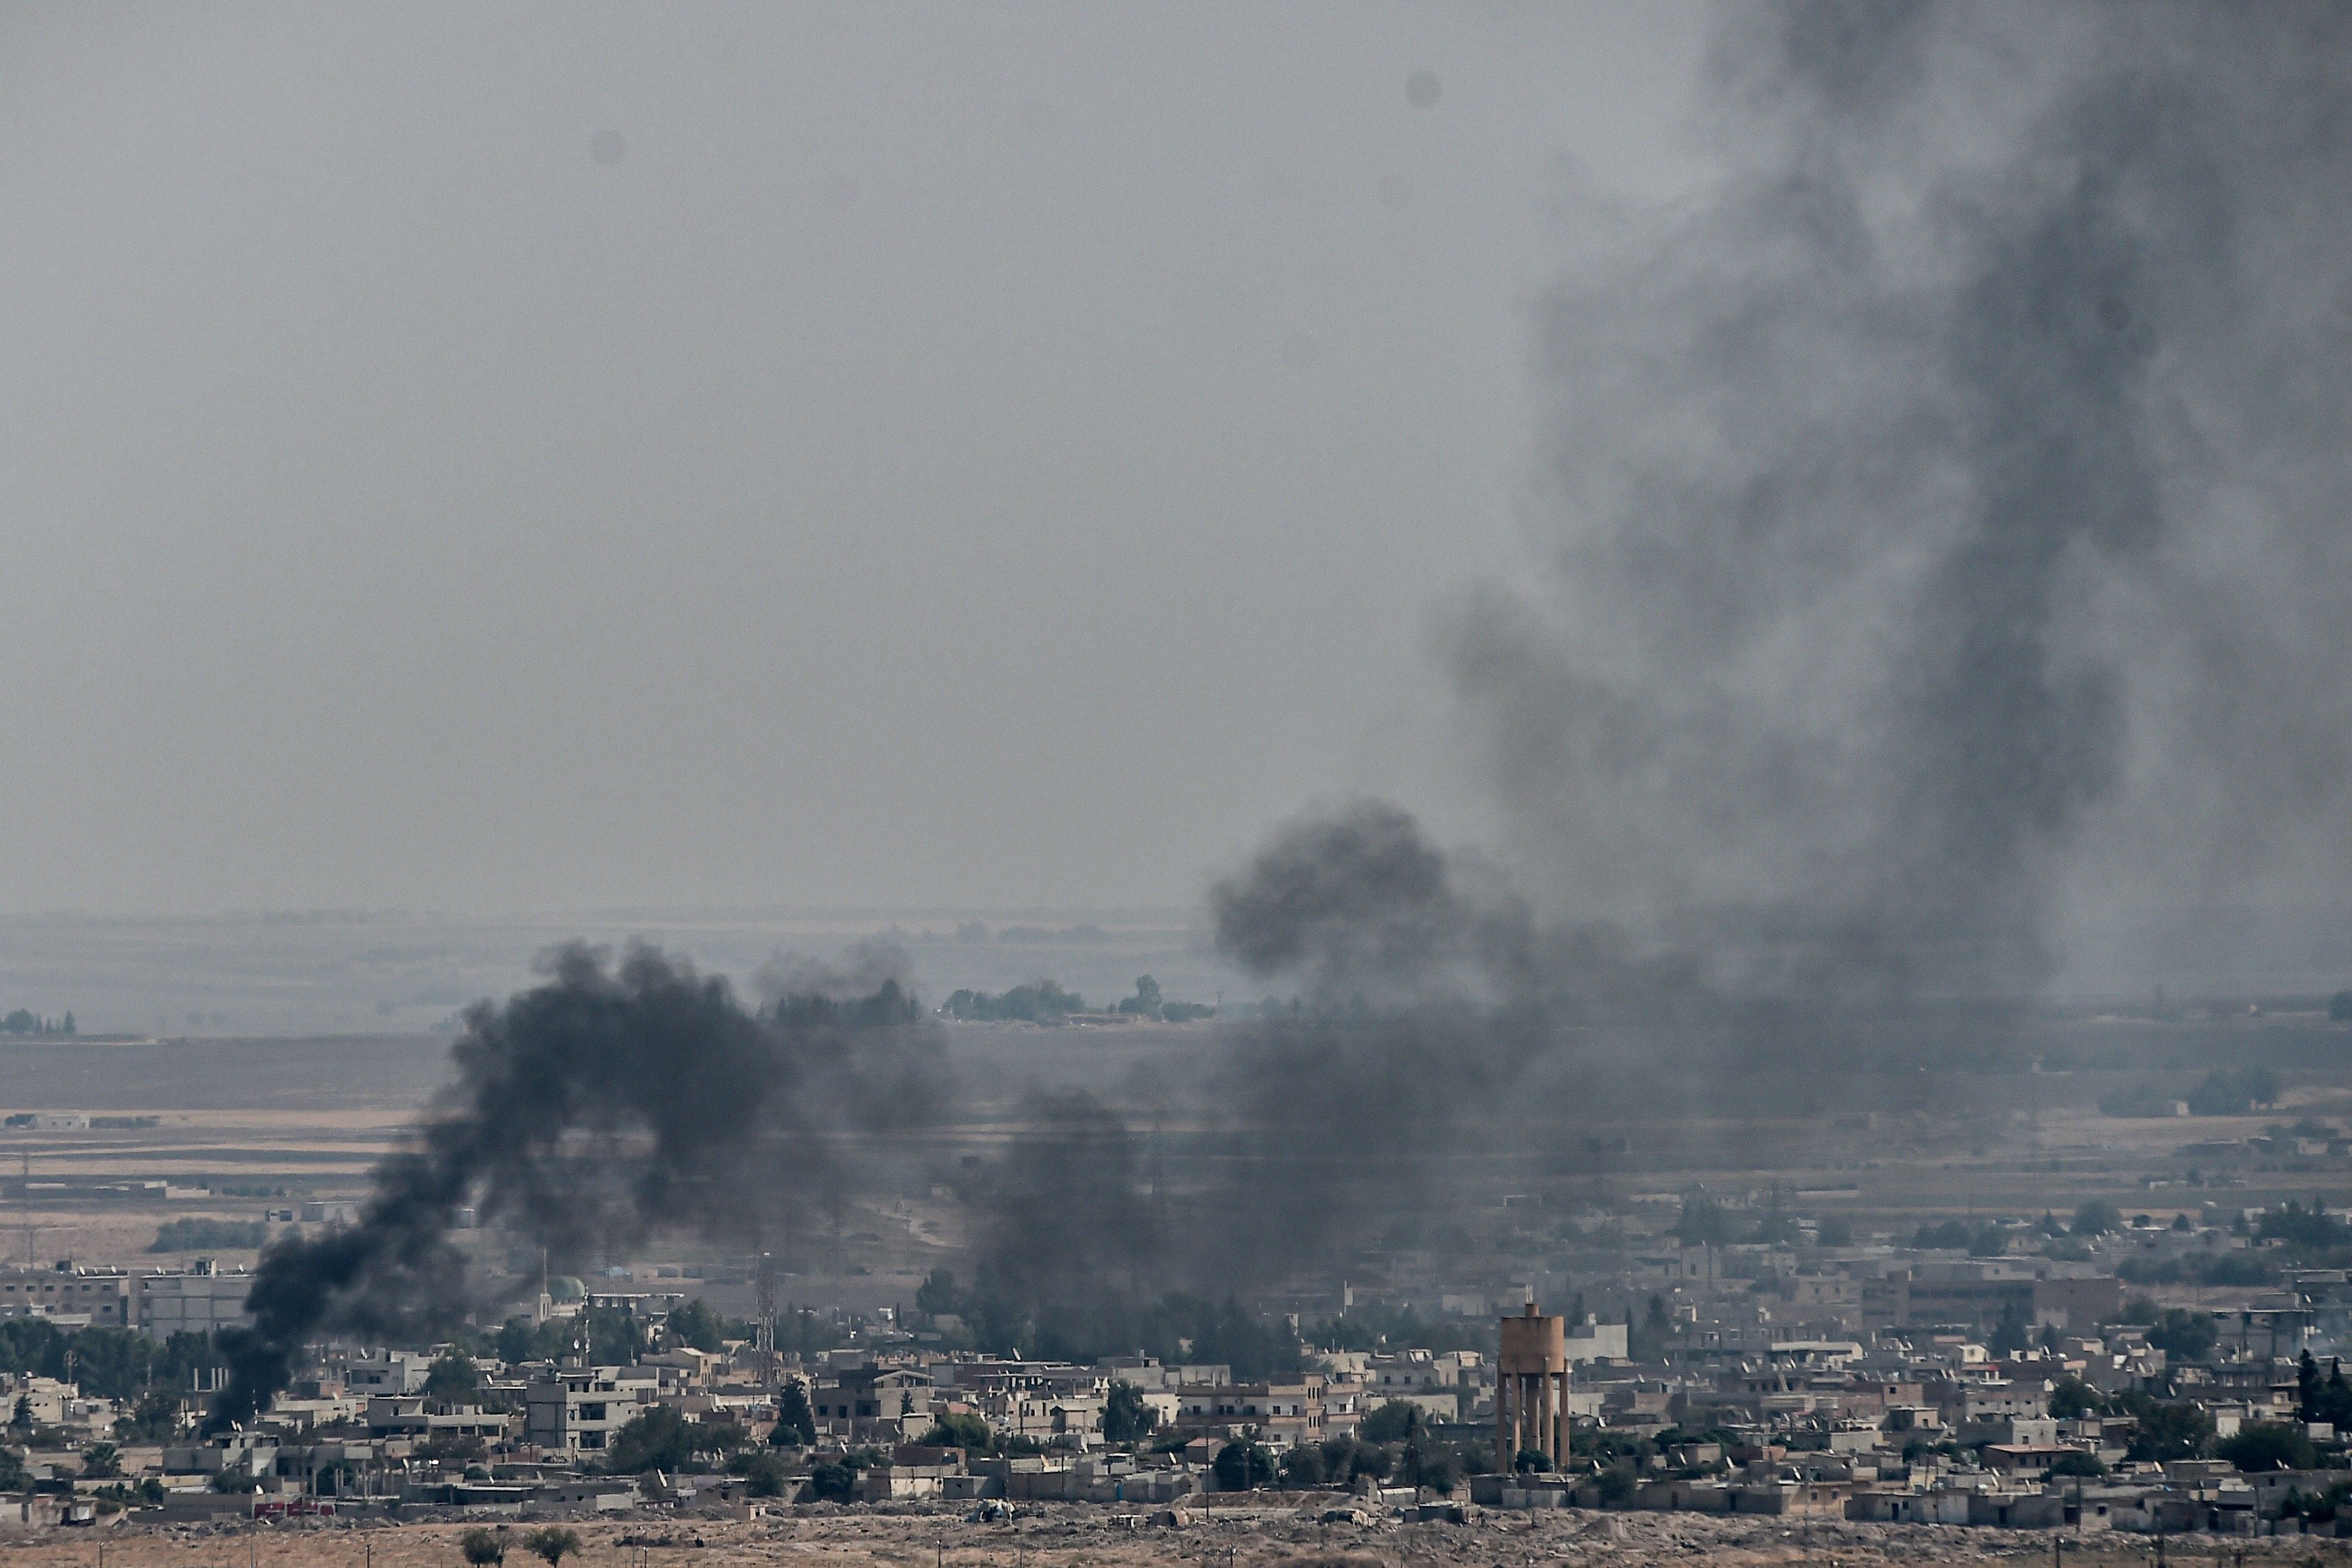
point(495, 458)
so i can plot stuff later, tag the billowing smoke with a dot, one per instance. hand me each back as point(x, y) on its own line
point(1944, 515)
point(1942, 537)
point(588, 1113)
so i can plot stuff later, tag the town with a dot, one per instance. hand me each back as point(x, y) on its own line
point(2014, 1377)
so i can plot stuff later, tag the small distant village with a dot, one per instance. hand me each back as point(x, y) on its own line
point(2018, 1377)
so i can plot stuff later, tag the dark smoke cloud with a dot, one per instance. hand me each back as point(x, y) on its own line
point(1354, 899)
point(1945, 516)
point(598, 1108)
point(1943, 533)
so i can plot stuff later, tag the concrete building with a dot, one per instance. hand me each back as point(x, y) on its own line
point(198, 1301)
point(387, 1374)
point(102, 1298)
point(578, 1411)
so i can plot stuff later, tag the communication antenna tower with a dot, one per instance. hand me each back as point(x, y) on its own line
point(763, 1316)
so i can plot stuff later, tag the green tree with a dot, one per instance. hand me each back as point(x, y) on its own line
point(1435, 1466)
point(2097, 1217)
point(795, 1422)
point(101, 1462)
point(1127, 1418)
point(483, 1548)
point(520, 1340)
point(154, 1418)
point(1396, 1421)
point(960, 1429)
point(2184, 1334)
point(655, 1438)
point(2170, 1431)
point(938, 1297)
point(2011, 1334)
point(1302, 1467)
point(763, 1474)
point(695, 1324)
point(552, 1543)
point(1617, 1483)
point(453, 1379)
point(2071, 1399)
point(2267, 1446)
point(2078, 1463)
point(451, 1448)
point(1243, 1464)
point(833, 1482)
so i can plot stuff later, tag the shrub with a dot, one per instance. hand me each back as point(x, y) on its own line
point(554, 1543)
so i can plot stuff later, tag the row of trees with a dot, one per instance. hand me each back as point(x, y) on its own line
point(24, 1020)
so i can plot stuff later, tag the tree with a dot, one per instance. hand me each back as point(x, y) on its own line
point(101, 1462)
point(1146, 1000)
point(795, 1422)
point(1127, 1417)
point(451, 1448)
point(1243, 1464)
point(1617, 1483)
point(1344, 1458)
point(453, 1379)
point(1836, 1230)
point(155, 1417)
point(2267, 1446)
point(2010, 1334)
point(2071, 1399)
point(2097, 1217)
point(960, 1429)
point(833, 1482)
point(937, 1296)
point(1396, 1421)
point(483, 1548)
point(655, 1438)
point(2183, 1334)
point(2078, 1463)
point(697, 1325)
point(2167, 1432)
point(552, 1543)
point(763, 1474)
point(1302, 1467)
point(1436, 1467)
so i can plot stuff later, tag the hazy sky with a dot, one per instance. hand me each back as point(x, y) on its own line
point(482, 458)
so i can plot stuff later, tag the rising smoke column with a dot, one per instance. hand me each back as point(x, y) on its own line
point(589, 1111)
point(1944, 512)
point(1942, 527)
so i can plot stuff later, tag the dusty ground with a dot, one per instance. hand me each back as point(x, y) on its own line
point(1087, 1537)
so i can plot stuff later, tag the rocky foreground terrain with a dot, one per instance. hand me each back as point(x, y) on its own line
point(1078, 1537)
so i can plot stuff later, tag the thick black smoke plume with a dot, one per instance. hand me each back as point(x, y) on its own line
point(589, 1111)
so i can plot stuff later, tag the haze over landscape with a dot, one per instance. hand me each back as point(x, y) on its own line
point(1430, 762)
